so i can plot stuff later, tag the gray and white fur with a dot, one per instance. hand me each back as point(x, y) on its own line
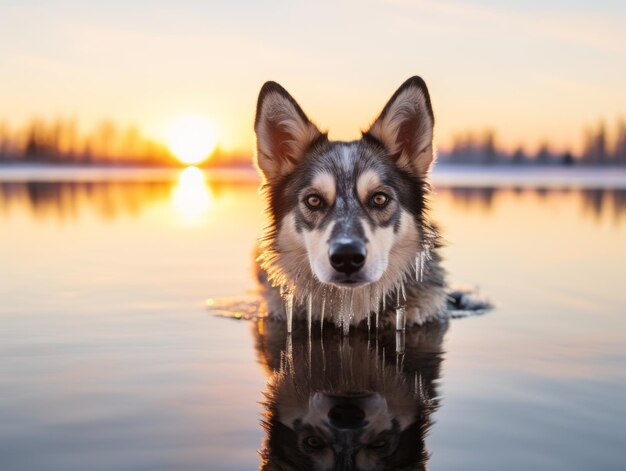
point(349, 239)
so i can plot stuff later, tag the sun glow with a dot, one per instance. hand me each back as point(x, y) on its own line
point(192, 196)
point(191, 139)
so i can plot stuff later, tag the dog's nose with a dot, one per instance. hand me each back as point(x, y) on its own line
point(347, 257)
point(346, 415)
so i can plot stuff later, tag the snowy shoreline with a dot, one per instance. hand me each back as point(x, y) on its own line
point(443, 175)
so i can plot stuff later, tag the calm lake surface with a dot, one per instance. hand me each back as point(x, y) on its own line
point(110, 359)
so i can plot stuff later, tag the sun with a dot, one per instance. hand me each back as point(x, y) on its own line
point(191, 139)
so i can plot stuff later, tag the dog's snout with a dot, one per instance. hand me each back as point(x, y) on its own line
point(347, 257)
point(346, 416)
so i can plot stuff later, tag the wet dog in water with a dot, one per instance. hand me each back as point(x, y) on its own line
point(349, 236)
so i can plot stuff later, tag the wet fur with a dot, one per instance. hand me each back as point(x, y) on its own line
point(397, 151)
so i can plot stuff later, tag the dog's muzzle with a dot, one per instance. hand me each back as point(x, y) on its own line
point(350, 410)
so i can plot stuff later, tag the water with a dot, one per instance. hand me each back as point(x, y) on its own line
point(111, 361)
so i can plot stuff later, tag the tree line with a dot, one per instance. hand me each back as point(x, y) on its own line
point(60, 141)
point(598, 149)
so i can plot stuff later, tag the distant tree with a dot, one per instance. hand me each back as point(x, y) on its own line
point(54, 140)
point(458, 149)
point(519, 156)
point(70, 140)
point(33, 150)
point(619, 153)
point(61, 139)
point(595, 148)
point(4, 142)
point(489, 147)
point(588, 155)
point(601, 143)
point(131, 143)
point(467, 149)
point(87, 152)
point(567, 158)
point(105, 140)
point(543, 154)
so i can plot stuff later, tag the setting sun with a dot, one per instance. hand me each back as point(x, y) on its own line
point(191, 139)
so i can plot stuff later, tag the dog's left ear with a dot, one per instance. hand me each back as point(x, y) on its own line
point(405, 127)
point(283, 132)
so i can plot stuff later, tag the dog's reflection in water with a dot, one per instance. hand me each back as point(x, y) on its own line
point(348, 403)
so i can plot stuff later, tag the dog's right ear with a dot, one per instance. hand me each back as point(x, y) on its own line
point(283, 132)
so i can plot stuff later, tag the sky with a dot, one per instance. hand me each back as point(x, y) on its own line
point(532, 70)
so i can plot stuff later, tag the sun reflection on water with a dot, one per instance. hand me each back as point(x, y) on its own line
point(192, 196)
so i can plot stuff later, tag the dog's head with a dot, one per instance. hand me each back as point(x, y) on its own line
point(347, 403)
point(344, 213)
point(346, 431)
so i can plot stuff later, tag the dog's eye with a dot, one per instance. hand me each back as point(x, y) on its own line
point(380, 443)
point(314, 442)
point(379, 200)
point(314, 202)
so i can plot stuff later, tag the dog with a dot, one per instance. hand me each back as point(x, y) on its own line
point(349, 232)
point(347, 403)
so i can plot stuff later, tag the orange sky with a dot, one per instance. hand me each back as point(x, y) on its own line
point(533, 70)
